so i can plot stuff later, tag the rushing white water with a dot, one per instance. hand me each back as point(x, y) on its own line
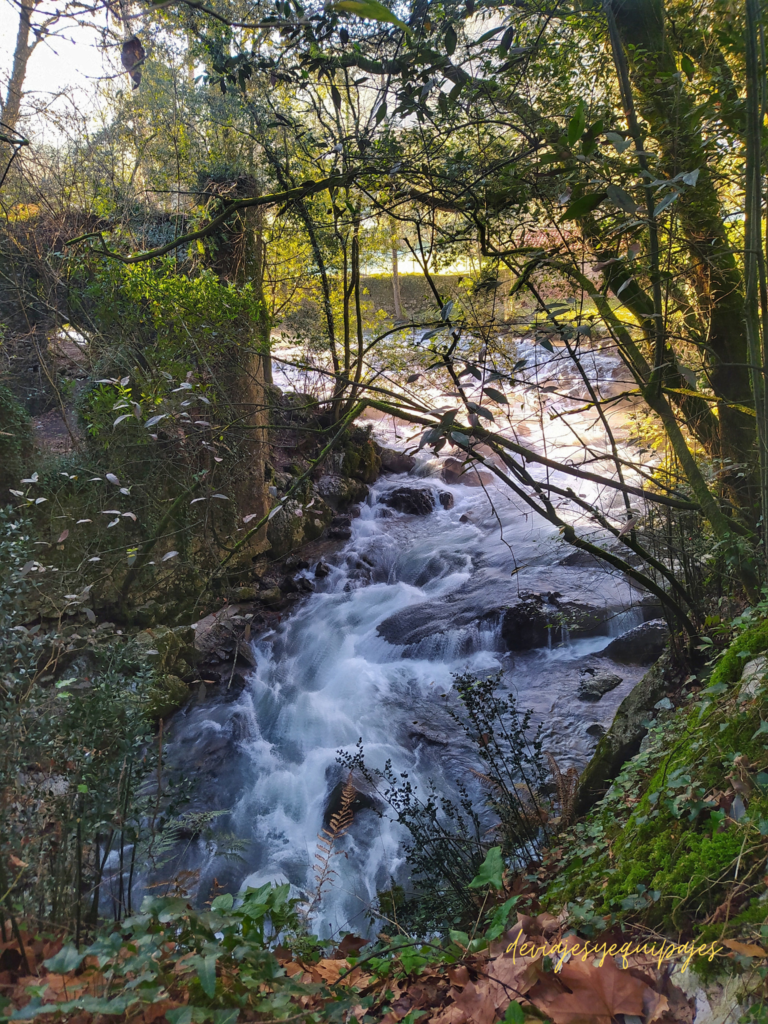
point(327, 677)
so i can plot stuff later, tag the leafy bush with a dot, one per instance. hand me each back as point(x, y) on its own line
point(449, 840)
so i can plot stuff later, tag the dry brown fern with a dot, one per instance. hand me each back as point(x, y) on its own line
point(566, 786)
point(338, 826)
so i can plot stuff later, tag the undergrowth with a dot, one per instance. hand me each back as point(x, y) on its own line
point(679, 842)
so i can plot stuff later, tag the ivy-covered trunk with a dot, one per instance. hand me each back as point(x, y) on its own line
point(675, 126)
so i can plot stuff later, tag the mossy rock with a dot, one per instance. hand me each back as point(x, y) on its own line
point(15, 442)
point(164, 649)
point(623, 739)
point(295, 525)
point(752, 642)
point(662, 846)
point(361, 459)
point(167, 695)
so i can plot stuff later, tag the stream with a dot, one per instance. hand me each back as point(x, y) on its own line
point(410, 601)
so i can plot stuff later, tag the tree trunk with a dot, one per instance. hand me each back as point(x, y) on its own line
point(675, 125)
point(395, 274)
point(21, 55)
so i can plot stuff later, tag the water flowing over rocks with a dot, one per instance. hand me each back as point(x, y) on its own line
point(415, 586)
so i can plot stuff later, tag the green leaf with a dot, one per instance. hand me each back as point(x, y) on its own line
point(497, 396)
point(582, 206)
point(370, 9)
point(450, 40)
point(762, 730)
point(622, 199)
point(225, 1016)
point(336, 97)
point(498, 922)
point(506, 40)
point(66, 960)
point(514, 1014)
point(665, 202)
point(445, 312)
point(577, 124)
point(491, 870)
point(691, 177)
point(618, 142)
point(223, 902)
point(206, 972)
point(687, 66)
point(547, 344)
point(183, 1015)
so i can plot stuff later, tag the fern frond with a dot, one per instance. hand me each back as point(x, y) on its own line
point(338, 826)
point(565, 786)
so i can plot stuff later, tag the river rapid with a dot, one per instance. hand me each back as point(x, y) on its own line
point(409, 602)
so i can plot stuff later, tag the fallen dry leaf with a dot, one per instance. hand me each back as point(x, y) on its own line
point(654, 1005)
point(587, 994)
point(156, 1010)
point(513, 979)
point(745, 948)
point(453, 1014)
point(477, 1001)
point(458, 976)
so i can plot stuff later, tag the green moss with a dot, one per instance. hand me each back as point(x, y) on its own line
point(752, 642)
point(167, 694)
point(656, 847)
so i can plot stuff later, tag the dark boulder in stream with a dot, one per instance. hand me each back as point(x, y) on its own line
point(639, 646)
point(414, 501)
point(594, 684)
point(360, 802)
point(393, 461)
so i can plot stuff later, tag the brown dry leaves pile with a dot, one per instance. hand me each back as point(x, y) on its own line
point(476, 990)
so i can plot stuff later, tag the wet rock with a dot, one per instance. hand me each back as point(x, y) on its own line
point(623, 739)
point(639, 646)
point(553, 600)
point(393, 461)
point(596, 730)
point(321, 570)
point(340, 491)
point(341, 528)
point(288, 585)
point(360, 802)
point(446, 499)
point(425, 733)
point(414, 501)
point(295, 563)
point(305, 586)
point(245, 594)
point(594, 684)
point(527, 624)
point(455, 471)
point(272, 597)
